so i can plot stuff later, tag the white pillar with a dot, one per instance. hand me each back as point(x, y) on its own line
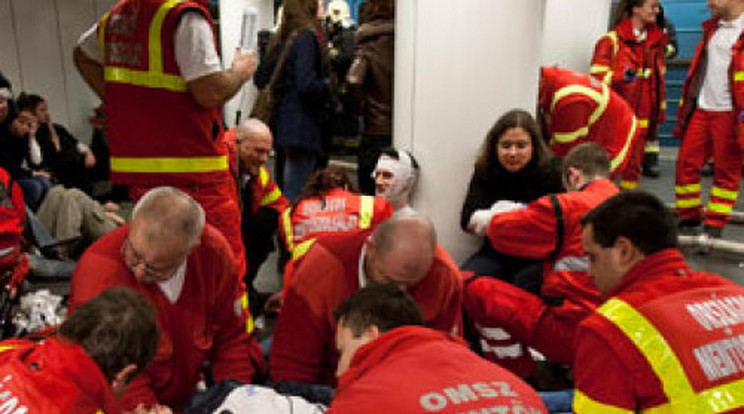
point(571, 29)
point(458, 67)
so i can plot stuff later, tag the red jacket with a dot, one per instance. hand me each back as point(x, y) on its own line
point(689, 325)
point(415, 370)
point(206, 323)
point(304, 344)
point(52, 377)
point(577, 109)
point(532, 233)
point(619, 52)
point(694, 81)
point(157, 132)
point(12, 219)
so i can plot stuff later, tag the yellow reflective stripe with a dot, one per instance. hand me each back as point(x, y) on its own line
point(302, 248)
point(652, 345)
point(249, 317)
point(724, 194)
point(595, 69)
point(665, 364)
point(263, 176)
point(663, 105)
point(643, 123)
point(169, 165)
point(602, 99)
point(628, 185)
point(157, 80)
point(739, 76)
point(644, 73)
point(687, 189)
point(626, 147)
point(101, 31)
point(582, 403)
point(689, 203)
point(286, 222)
point(155, 41)
point(271, 197)
point(719, 208)
point(4, 348)
point(366, 211)
point(652, 147)
point(681, 101)
point(613, 36)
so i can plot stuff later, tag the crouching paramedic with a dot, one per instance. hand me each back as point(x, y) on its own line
point(507, 317)
point(92, 357)
point(391, 364)
point(666, 339)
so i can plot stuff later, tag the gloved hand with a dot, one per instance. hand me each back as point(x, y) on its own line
point(479, 221)
point(629, 75)
point(505, 206)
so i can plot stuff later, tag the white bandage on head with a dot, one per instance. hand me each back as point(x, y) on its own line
point(5, 93)
point(404, 175)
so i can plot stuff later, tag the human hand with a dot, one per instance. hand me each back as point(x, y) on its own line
point(90, 159)
point(479, 221)
point(41, 173)
point(505, 206)
point(244, 63)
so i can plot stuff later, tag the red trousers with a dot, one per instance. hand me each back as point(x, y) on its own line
point(632, 173)
point(219, 201)
point(708, 133)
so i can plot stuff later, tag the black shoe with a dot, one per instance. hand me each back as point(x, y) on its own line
point(650, 166)
point(707, 170)
point(650, 171)
point(713, 232)
point(689, 226)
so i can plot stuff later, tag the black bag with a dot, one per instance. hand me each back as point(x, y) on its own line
point(264, 107)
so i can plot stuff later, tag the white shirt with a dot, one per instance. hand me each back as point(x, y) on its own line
point(172, 287)
point(196, 53)
point(715, 94)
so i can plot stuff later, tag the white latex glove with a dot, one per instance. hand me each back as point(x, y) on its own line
point(479, 221)
point(505, 206)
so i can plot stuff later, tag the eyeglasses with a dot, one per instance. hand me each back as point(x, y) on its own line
point(132, 259)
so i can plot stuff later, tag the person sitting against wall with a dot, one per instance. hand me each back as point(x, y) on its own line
point(396, 175)
point(21, 155)
point(514, 168)
point(67, 159)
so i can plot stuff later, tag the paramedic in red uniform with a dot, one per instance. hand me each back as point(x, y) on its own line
point(710, 120)
point(186, 269)
point(391, 364)
point(576, 108)
point(666, 338)
point(548, 229)
point(403, 251)
point(155, 65)
point(91, 357)
point(630, 59)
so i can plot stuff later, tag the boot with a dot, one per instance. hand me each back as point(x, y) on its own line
point(651, 165)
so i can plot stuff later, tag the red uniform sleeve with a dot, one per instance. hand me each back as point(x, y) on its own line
point(602, 62)
point(448, 318)
point(569, 116)
point(303, 335)
point(88, 280)
point(529, 232)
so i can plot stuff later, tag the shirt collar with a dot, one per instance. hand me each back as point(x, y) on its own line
point(737, 22)
point(172, 287)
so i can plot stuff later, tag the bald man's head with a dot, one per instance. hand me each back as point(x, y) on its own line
point(401, 251)
point(254, 144)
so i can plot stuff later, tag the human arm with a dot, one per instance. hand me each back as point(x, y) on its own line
point(217, 88)
point(90, 69)
point(529, 232)
point(479, 196)
point(603, 62)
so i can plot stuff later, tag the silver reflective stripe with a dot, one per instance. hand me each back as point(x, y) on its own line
point(572, 264)
point(497, 334)
point(6, 251)
point(501, 352)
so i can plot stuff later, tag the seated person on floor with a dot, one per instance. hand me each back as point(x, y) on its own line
point(396, 174)
point(514, 167)
point(402, 251)
point(507, 318)
point(187, 270)
point(391, 364)
point(90, 360)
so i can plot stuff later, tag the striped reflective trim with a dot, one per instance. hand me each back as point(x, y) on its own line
point(724, 194)
point(681, 101)
point(652, 147)
point(628, 185)
point(153, 77)
point(263, 176)
point(169, 165)
point(602, 98)
point(249, 318)
point(271, 197)
point(572, 264)
point(665, 364)
point(502, 351)
point(615, 44)
point(622, 155)
point(689, 203)
point(687, 189)
point(663, 105)
point(719, 208)
point(497, 334)
point(643, 123)
point(4, 348)
point(595, 69)
point(739, 76)
point(302, 248)
point(285, 221)
point(644, 73)
point(584, 404)
point(101, 27)
point(366, 211)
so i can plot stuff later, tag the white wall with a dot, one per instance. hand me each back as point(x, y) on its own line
point(231, 15)
point(36, 42)
point(571, 29)
point(459, 66)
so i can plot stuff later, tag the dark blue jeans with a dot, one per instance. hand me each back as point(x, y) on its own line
point(34, 190)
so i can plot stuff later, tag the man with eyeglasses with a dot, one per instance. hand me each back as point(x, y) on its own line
point(186, 269)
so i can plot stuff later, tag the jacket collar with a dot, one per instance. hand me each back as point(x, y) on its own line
point(654, 33)
point(667, 261)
